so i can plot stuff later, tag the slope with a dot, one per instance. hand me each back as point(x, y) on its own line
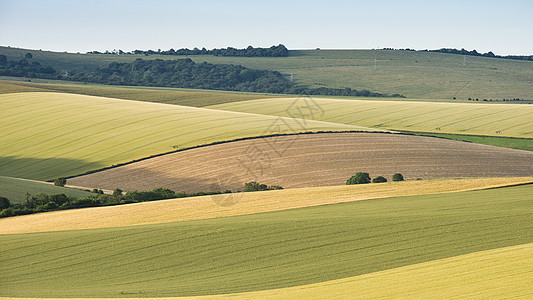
point(312, 160)
point(48, 135)
point(263, 251)
point(15, 189)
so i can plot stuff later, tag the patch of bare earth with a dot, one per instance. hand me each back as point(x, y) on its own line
point(312, 160)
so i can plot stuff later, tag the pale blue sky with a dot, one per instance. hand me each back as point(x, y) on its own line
point(505, 27)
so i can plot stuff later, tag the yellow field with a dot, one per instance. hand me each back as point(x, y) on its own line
point(49, 135)
point(503, 273)
point(508, 120)
point(206, 207)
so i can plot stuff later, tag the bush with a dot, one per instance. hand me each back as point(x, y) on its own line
point(60, 181)
point(4, 203)
point(359, 178)
point(379, 179)
point(254, 186)
point(397, 177)
point(117, 192)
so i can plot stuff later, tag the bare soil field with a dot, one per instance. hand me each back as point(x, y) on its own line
point(312, 160)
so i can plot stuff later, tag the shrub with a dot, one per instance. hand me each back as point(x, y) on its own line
point(60, 181)
point(4, 203)
point(117, 192)
point(359, 178)
point(397, 177)
point(254, 186)
point(379, 179)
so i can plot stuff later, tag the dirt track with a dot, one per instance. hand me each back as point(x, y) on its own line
point(312, 160)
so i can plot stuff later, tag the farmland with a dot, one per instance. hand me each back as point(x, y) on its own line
point(265, 251)
point(49, 135)
point(217, 206)
point(15, 189)
point(502, 272)
point(412, 74)
point(504, 120)
point(312, 160)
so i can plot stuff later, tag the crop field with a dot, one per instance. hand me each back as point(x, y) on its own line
point(312, 160)
point(196, 98)
point(412, 74)
point(268, 251)
point(15, 189)
point(207, 207)
point(503, 120)
point(49, 135)
point(499, 273)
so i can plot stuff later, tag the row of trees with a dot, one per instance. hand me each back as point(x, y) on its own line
point(471, 53)
point(185, 73)
point(25, 68)
point(274, 51)
point(363, 177)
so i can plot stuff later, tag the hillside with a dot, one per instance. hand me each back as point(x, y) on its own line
point(412, 74)
point(49, 135)
point(263, 251)
point(312, 160)
point(15, 189)
point(500, 120)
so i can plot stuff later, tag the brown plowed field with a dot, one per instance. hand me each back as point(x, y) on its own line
point(312, 160)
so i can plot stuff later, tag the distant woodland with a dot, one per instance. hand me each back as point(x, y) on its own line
point(274, 51)
point(179, 73)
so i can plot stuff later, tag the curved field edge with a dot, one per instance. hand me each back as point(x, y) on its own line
point(264, 251)
point(501, 273)
point(15, 189)
point(188, 97)
point(226, 205)
point(49, 135)
point(506, 120)
point(310, 160)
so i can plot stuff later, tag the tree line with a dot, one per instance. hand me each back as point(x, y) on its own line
point(470, 53)
point(25, 68)
point(180, 73)
point(274, 51)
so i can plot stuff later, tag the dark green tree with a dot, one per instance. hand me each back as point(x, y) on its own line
point(359, 178)
point(397, 177)
point(60, 181)
point(117, 192)
point(28, 56)
point(4, 203)
point(379, 179)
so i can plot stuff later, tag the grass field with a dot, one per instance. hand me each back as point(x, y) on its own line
point(312, 160)
point(513, 143)
point(504, 120)
point(15, 189)
point(501, 273)
point(263, 251)
point(196, 98)
point(208, 207)
point(413, 74)
point(49, 135)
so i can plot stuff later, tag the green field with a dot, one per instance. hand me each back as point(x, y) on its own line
point(504, 120)
point(15, 189)
point(188, 97)
point(49, 135)
point(499, 273)
point(412, 74)
point(264, 251)
point(513, 143)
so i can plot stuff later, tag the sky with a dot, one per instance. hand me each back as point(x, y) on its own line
point(504, 27)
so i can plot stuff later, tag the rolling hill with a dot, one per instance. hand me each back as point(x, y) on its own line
point(502, 120)
point(412, 74)
point(312, 160)
point(216, 206)
point(49, 135)
point(15, 189)
point(264, 251)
